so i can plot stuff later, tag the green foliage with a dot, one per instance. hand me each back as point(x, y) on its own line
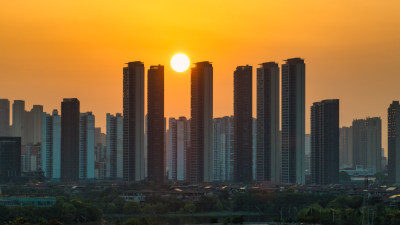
point(131, 208)
point(189, 207)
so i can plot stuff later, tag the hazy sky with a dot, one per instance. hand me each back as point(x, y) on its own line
point(55, 49)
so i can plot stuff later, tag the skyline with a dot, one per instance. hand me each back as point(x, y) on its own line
point(351, 57)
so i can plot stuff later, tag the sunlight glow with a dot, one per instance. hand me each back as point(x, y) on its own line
point(180, 62)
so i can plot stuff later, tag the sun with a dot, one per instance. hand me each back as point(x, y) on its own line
point(180, 62)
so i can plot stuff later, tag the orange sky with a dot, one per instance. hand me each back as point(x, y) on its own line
point(54, 49)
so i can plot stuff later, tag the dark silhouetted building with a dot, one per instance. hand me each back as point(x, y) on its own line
point(155, 125)
point(268, 150)
point(293, 121)
point(367, 146)
point(243, 124)
point(10, 157)
point(4, 117)
point(394, 142)
point(133, 128)
point(200, 157)
point(325, 142)
point(70, 140)
point(18, 120)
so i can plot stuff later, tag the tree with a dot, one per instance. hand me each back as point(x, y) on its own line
point(131, 208)
point(189, 207)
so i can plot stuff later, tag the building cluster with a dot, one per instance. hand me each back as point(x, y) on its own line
point(273, 147)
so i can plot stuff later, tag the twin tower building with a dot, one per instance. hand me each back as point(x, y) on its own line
point(279, 154)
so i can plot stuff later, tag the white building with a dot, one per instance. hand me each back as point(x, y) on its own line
point(114, 157)
point(51, 145)
point(86, 146)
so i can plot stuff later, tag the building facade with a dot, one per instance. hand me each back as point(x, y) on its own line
point(133, 128)
point(394, 142)
point(346, 147)
point(199, 163)
point(223, 149)
point(70, 116)
point(51, 145)
point(10, 158)
point(155, 124)
point(293, 121)
point(268, 165)
point(86, 146)
point(367, 138)
point(4, 117)
point(178, 146)
point(243, 124)
point(114, 157)
point(325, 142)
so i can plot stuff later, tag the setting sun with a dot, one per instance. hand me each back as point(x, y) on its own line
point(180, 62)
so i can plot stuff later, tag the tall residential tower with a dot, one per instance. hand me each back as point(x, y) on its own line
point(199, 163)
point(293, 121)
point(268, 150)
point(133, 112)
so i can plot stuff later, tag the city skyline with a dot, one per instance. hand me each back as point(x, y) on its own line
point(346, 53)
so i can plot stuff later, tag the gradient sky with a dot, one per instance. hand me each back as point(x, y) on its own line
point(54, 49)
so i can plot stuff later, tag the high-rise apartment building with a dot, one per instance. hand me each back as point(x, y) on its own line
point(367, 138)
point(268, 165)
point(18, 119)
point(86, 146)
point(243, 124)
point(114, 157)
point(223, 149)
point(70, 117)
point(51, 145)
point(4, 117)
point(133, 128)
point(179, 145)
point(155, 116)
point(293, 121)
point(394, 142)
point(346, 147)
point(325, 142)
point(200, 157)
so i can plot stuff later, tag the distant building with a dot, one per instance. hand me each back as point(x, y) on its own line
point(4, 117)
point(36, 117)
point(243, 124)
point(70, 117)
point(133, 128)
point(367, 138)
point(155, 113)
point(10, 158)
point(51, 145)
point(268, 151)
point(86, 146)
point(346, 147)
point(199, 163)
point(114, 146)
point(179, 145)
point(30, 158)
point(293, 121)
point(394, 142)
point(307, 151)
point(223, 149)
point(18, 120)
point(254, 150)
point(325, 142)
